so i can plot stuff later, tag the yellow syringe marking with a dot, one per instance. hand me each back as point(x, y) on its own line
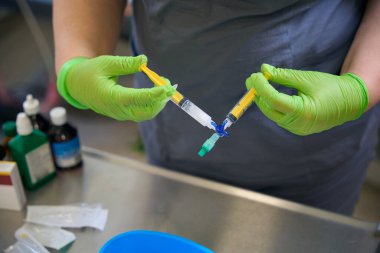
point(159, 81)
point(243, 103)
point(267, 75)
point(246, 101)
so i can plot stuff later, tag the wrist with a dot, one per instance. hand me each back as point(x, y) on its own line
point(364, 101)
point(371, 78)
point(62, 79)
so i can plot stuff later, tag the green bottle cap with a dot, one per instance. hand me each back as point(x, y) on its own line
point(9, 128)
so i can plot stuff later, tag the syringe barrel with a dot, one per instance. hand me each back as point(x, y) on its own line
point(229, 121)
point(196, 113)
point(189, 107)
point(242, 105)
point(178, 98)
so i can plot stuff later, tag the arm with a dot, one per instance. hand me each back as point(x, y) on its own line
point(363, 57)
point(325, 101)
point(85, 28)
point(85, 32)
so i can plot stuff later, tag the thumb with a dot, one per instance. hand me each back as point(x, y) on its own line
point(287, 77)
point(121, 65)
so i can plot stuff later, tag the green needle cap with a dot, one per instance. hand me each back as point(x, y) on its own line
point(208, 145)
point(202, 152)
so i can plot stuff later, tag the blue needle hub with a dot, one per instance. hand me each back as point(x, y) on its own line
point(219, 129)
point(209, 143)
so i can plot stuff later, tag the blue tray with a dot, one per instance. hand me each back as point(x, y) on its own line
point(141, 241)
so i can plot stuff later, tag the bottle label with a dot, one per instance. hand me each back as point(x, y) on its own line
point(40, 162)
point(67, 154)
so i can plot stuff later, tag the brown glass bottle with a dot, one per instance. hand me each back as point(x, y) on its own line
point(32, 109)
point(39, 122)
point(64, 141)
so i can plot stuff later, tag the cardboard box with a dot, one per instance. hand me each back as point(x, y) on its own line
point(12, 195)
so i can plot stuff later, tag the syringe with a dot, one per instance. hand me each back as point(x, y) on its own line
point(233, 116)
point(239, 109)
point(185, 104)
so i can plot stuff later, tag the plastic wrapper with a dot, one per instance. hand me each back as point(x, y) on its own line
point(26, 243)
point(51, 237)
point(71, 216)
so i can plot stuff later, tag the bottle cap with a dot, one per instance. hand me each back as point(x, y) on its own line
point(31, 105)
point(9, 128)
point(24, 127)
point(58, 116)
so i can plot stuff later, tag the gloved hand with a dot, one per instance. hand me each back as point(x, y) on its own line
point(92, 83)
point(323, 101)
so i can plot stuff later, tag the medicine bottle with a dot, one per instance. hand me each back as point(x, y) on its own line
point(32, 109)
point(30, 149)
point(64, 141)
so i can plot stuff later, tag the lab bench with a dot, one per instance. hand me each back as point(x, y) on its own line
point(223, 218)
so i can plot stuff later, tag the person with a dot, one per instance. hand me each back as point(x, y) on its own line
point(310, 136)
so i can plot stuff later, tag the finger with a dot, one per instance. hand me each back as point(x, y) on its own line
point(145, 96)
point(268, 111)
point(296, 79)
point(121, 65)
point(274, 99)
point(167, 81)
point(146, 112)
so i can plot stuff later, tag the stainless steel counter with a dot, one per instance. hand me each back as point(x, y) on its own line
point(223, 218)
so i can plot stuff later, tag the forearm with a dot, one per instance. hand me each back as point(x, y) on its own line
point(364, 54)
point(85, 28)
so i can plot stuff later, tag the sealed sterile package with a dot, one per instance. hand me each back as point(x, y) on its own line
point(51, 237)
point(26, 243)
point(70, 216)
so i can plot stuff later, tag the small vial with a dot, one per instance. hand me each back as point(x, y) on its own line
point(32, 109)
point(64, 141)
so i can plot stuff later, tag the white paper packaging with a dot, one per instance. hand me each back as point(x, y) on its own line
point(73, 216)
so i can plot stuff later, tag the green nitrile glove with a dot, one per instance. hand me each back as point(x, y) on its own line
point(323, 101)
point(92, 83)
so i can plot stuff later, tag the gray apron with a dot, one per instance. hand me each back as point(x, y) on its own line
point(210, 47)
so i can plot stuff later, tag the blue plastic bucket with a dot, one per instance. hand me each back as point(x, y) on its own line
point(151, 242)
